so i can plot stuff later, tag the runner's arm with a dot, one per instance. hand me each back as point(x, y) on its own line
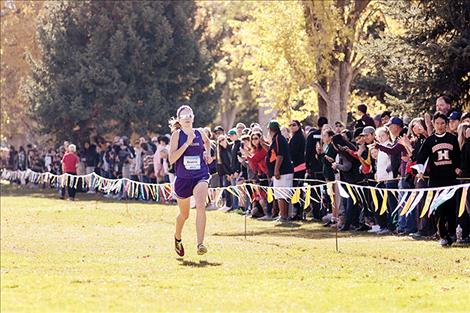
point(176, 153)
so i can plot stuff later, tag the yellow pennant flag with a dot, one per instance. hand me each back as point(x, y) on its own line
point(331, 192)
point(408, 203)
point(373, 193)
point(463, 201)
point(229, 189)
point(296, 196)
point(384, 203)
point(307, 197)
point(427, 203)
point(270, 195)
point(351, 193)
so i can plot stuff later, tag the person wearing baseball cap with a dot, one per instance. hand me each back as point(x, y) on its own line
point(239, 128)
point(369, 134)
point(396, 126)
point(280, 168)
point(218, 130)
point(454, 122)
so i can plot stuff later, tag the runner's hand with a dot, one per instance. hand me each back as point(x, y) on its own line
point(191, 137)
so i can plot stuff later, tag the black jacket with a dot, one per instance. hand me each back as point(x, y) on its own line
point(312, 161)
point(465, 160)
point(236, 166)
point(91, 156)
point(297, 148)
point(224, 166)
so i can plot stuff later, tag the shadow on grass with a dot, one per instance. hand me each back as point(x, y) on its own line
point(13, 190)
point(298, 232)
point(201, 263)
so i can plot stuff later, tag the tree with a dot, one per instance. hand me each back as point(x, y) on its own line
point(230, 80)
point(306, 51)
point(18, 20)
point(117, 66)
point(427, 55)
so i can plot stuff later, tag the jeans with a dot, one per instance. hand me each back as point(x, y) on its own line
point(408, 222)
point(351, 212)
point(386, 220)
point(224, 182)
point(234, 205)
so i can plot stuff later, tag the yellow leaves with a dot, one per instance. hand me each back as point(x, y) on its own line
point(374, 105)
point(282, 63)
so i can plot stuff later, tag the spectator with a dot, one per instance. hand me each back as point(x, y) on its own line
point(444, 105)
point(257, 163)
point(443, 151)
point(279, 168)
point(147, 161)
point(13, 159)
point(378, 120)
point(224, 168)
point(386, 116)
point(314, 167)
point(365, 119)
point(297, 152)
point(91, 158)
point(348, 167)
point(339, 127)
point(454, 121)
point(384, 176)
point(218, 131)
point(163, 174)
point(240, 128)
point(464, 143)
point(22, 159)
point(235, 163)
point(465, 118)
point(69, 166)
point(136, 168)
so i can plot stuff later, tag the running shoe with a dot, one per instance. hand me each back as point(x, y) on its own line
point(201, 249)
point(179, 247)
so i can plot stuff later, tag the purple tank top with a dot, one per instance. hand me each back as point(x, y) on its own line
point(191, 164)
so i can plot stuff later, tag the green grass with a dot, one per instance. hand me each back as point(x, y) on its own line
point(109, 256)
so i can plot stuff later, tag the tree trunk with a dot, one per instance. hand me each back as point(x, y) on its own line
point(346, 76)
point(228, 113)
point(322, 104)
point(334, 93)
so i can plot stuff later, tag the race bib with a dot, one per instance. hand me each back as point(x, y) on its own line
point(192, 163)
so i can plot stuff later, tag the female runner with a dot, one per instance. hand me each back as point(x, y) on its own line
point(190, 154)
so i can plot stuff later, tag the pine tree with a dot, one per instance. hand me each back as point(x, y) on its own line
point(117, 66)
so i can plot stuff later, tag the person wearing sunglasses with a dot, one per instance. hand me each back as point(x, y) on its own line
point(190, 153)
point(257, 163)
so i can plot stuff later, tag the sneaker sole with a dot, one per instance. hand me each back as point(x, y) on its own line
point(201, 251)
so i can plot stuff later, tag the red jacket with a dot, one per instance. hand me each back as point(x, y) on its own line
point(69, 162)
point(257, 162)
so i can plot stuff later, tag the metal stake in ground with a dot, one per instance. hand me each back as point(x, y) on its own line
point(245, 222)
point(336, 232)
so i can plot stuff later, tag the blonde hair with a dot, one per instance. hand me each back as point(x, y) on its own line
point(72, 148)
point(174, 124)
point(461, 133)
point(383, 129)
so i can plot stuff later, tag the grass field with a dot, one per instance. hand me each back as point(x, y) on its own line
point(109, 256)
